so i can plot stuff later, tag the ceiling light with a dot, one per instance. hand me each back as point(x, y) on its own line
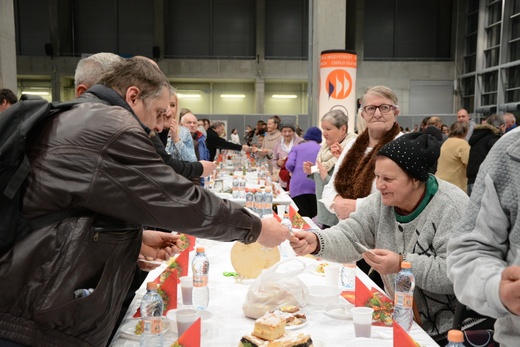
point(188, 95)
point(284, 96)
point(36, 93)
point(232, 96)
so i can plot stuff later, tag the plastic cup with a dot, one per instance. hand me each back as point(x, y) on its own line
point(362, 317)
point(332, 275)
point(348, 276)
point(185, 318)
point(186, 289)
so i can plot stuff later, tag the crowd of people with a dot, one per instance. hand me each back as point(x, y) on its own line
point(443, 198)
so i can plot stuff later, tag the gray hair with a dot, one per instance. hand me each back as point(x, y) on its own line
point(90, 69)
point(336, 117)
point(382, 91)
point(216, 124)
point(496, 121)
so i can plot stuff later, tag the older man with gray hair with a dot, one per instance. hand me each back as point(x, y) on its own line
point(214, 141)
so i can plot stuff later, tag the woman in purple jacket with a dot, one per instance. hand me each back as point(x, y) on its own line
point(303, 189)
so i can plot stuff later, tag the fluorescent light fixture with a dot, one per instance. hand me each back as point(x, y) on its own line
point(284, 96)
point(36, 93)
point(188, 95)
point(232, 96)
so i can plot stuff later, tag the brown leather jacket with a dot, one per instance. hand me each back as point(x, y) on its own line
point(97, 159)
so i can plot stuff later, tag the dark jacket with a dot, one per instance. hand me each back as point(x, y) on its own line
point(483, 138)
point(213, 141)
point(99, 160)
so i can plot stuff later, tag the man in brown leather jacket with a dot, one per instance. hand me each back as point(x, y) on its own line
point(98, 161)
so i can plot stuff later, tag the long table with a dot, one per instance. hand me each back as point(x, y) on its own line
point(229, 323)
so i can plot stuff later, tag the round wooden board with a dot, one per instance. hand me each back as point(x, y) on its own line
point(249, 260)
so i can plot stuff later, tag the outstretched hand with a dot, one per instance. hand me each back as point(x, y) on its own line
point(303, 242)
point(160, 245)
point(273, 233)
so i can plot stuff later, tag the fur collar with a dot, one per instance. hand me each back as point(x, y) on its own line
point(356, 173)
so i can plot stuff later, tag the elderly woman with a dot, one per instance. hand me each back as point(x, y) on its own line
point(335, 132)
point(453, 162)
point(283, 147)
point(412, 217)
point(353, 177)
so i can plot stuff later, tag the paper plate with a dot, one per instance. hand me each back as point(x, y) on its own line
point(129, 328)
point(338, 311)
point(249, 260)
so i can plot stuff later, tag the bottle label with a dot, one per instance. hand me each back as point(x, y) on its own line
point(200, 281)
point(152, 326)
point(404, 300)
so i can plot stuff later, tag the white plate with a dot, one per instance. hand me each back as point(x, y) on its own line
point(366, 342)
point(338, 311)
point(296, 327)
point(129, 328)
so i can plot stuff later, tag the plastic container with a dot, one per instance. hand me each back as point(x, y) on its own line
point(403, 304)
point(152, 307)
point(200, 269)
point(455, 338)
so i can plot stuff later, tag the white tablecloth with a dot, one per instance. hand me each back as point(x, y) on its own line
point(229, 323)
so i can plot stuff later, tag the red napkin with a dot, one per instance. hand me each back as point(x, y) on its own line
point(169, 292)
point(180, 265)
point(401, 337)
point(191, 337)
point(382, 305)
point(188, 242)
point(292, 215)
point(182, 261)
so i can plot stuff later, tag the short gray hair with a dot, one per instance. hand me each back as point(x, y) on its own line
point(90, 69)
point(216, 124)
point(496, 121)
point(336, 117)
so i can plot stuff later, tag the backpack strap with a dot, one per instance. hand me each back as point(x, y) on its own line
point(17, 179)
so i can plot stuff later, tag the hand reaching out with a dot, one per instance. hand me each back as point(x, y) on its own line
point(303, 242)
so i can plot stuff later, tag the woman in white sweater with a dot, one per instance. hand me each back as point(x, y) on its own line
point(411, 217)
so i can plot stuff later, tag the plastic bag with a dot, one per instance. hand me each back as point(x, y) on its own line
point(276, 287)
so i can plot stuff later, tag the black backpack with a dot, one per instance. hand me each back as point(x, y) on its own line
point(16, 124)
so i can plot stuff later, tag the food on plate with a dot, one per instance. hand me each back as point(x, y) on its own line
point(292, 315)
point(298, 222)
point(139, 327)
point(382, 308)
point(269, 327)
point(287, 340)
point(321, 267)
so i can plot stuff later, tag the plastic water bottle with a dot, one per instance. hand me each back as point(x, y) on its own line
point(236, 188)
point(403, 304)
point(259, 203)
point(455, 338)
point(250, 199)
point(242, 187)
point(152, 307)
point(268, 201)
point(286, 221)
point(200, 268)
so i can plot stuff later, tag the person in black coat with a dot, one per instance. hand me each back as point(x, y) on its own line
point(483, 138)
point(214, 141)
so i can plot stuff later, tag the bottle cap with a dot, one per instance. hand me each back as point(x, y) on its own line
point(151, 286)
point(406, 265)
point(455, 336)
point(200, 249)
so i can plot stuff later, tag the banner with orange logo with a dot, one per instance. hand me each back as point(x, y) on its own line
point(338, 84)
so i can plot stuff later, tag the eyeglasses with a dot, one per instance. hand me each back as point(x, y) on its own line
point(384, 108)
